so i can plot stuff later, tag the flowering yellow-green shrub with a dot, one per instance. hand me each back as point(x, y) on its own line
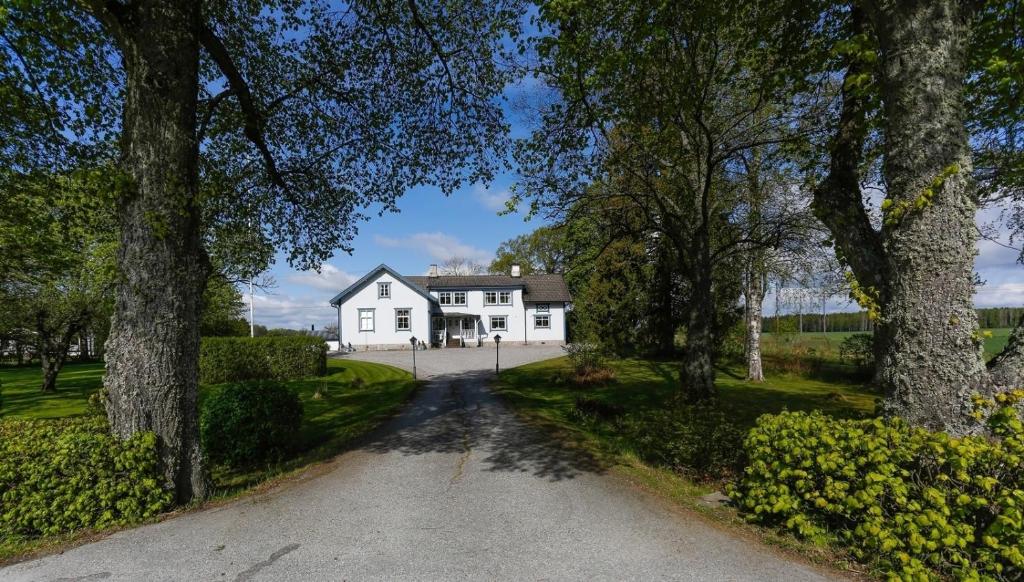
point(922, 504)
point(57, 476)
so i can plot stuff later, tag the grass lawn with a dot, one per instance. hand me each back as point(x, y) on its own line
point(827, 344)
point(21, 397)
point(646, 385)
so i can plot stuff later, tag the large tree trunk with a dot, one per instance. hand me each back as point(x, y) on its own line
point(698, 370)
point(153, 348)
point(754, 298)
point(931, 356)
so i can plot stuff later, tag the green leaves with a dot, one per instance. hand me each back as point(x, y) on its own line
point(923, 504)
point(58, 476)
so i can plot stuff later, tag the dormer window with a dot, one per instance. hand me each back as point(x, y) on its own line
point(384, 290)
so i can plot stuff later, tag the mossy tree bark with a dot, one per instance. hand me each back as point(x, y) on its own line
point(918, 268)
point(153, 348)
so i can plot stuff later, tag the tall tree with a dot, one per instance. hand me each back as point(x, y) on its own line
point(59, 273)
point(542, 251)
point(906, 64)
point(301, 113)
point(659, 100)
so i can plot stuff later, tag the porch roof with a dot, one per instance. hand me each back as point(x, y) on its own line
point(454, 314)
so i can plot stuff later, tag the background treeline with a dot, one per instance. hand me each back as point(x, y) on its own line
point(988, 318)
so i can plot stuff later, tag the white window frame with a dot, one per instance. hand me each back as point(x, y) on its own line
point(504, 325)
point(488, 294)
point(544, 316)
point(543, 308)
point(407, 316)
point(455, 298)
point(505, 301)
point(384, 290)
point(444, 298)
point(373, 318)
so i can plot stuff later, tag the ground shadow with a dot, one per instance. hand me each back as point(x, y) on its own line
point(457, 413)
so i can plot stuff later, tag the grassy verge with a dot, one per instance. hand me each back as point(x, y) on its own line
point(644, 385)
point(826, 344)
point(353, 398)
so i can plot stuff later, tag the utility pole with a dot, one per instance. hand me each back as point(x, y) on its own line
point(252, 322)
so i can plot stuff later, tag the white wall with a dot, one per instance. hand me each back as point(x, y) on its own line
point(519, 317)
point(555, 333)
point(384, 333)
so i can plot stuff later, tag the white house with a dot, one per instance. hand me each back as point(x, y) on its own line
point(385, 310)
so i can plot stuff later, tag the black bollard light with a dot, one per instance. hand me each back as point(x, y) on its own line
point(497, 352)
point(412, 341)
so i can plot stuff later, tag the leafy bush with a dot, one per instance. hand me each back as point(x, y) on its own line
point(236, 359)
point(858, 349)
point(697, 440)
point(589, 366)
point(924, 504)
point(57, 476)
point(250, 422)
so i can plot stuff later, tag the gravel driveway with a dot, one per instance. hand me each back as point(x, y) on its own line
point(454, 488)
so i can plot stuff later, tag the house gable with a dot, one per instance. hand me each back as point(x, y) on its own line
point(372, 276)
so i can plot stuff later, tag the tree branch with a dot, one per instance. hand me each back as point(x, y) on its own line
point(253, 128)
point(837, 199)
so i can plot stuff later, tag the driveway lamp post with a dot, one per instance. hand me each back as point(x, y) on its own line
point(412, 341)
point(497, 352)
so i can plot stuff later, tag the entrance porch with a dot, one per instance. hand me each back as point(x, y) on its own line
point(454, 330)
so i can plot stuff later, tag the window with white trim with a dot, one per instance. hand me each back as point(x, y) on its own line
point(459, 298)
point(403, 319)
point(365, 320)
point(543, 307)
point(490, 297)
point(542, 321)
point(499, 323)
point(384, 290)
point(505, 298)
point(444, 298)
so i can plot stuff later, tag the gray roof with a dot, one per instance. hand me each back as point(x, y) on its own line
point(536, 288)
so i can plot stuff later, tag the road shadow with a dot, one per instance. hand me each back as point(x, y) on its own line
point(457, 414)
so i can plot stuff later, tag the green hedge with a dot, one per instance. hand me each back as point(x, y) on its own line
point(236, 359)
point(57, 476)
point(924, 504)
point(250, 422)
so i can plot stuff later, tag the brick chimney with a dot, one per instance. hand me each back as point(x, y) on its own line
point(433, 271)
point(516, 270)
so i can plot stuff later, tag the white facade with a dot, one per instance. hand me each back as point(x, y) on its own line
point(460, 315)
point(381, 328)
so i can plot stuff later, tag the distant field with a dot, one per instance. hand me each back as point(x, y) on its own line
point(827, 344)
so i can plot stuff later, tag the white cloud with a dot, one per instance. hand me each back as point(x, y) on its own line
point(436, 245)
point(491, 200)
point(290, 312)
point(330, 278)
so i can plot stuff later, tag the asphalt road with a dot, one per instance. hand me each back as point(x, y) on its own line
point(455, 488)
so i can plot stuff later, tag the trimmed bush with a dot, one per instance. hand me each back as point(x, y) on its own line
point(237, 359)
point(58, 476)
point(247, 423)
point(924, 504)
point(695, 440)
